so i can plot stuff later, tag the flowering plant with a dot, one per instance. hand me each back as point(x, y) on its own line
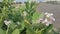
point(24, 20)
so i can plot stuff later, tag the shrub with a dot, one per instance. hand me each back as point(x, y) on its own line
point(24, 20)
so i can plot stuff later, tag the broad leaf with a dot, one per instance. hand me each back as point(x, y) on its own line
point(16, 31)
point(2, 31)
point(37, 16)
point(12, 25)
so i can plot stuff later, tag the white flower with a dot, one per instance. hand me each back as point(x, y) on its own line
point(18, 23)
point(49, 18)
point(48, 14)
point(51, 14)
point(45, 21)
point(47, 24)
point(7, 22)
point(52, 18)
point(24, 13)
point(41, 19)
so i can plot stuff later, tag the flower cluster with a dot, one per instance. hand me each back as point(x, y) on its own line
point(47, 19)
point(24, 13)
point(7, 22)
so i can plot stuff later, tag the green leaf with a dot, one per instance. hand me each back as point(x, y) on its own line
point(2, 31)
point(30, 29)
point(12, 25)
point(47, 29)
point(39, 31)
point(29, 32)
point(16, 31)
point(1, 20)
point(37, 15)
point(41, 15)
point(22, 25)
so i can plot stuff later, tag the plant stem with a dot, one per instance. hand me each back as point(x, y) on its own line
point(7, 30)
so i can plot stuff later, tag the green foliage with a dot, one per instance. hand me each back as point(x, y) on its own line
point(16, 31)
point(12, 25)
point(21, 24)
point(37, 15)
point(2, 31)
point(47, 29)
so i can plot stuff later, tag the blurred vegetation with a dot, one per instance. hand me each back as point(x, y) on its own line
point(21, 23)
point(53, 2)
